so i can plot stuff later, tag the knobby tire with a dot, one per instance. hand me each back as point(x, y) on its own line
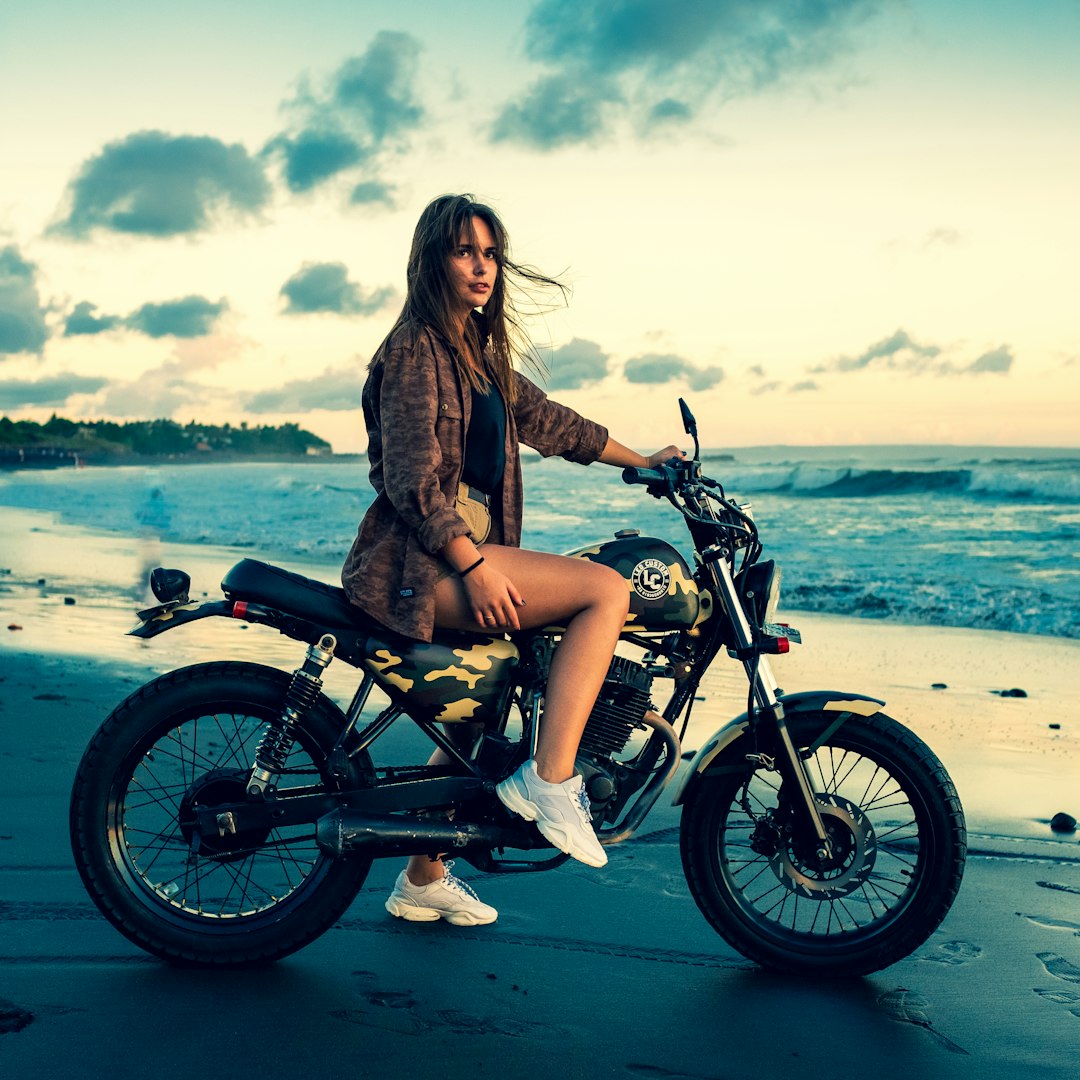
point(178, 734)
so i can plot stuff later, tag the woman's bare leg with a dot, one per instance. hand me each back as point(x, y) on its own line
point(591, 601)
point(423, 869)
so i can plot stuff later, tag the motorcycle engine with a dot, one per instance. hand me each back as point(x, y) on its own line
point(622, 701)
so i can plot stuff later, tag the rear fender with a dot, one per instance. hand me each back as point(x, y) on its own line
point(714, 758)
point(180, 616)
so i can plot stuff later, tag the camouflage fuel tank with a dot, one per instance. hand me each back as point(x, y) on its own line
point(453, 678)
point(663, 593)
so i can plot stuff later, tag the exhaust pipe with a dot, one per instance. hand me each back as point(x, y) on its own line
point(343, 831)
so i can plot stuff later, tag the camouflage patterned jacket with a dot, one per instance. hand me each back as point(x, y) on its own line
point(417, 412)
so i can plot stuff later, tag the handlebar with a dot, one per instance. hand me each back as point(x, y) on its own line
point(661, 481)
point(634, 475)
point(700, 500)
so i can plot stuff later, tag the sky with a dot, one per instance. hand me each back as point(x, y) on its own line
point(820, 221)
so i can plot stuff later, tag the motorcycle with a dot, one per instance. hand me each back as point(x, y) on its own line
point(227, 813)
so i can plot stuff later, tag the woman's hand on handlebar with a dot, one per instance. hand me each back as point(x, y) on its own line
point(661, 457)
point(493, 598)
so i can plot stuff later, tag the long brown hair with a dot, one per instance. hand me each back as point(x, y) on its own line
point(430, 299)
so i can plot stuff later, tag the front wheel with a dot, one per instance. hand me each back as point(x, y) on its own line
point(898, 838)
point(189, 738)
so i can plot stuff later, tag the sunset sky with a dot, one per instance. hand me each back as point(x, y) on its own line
point(821, 221)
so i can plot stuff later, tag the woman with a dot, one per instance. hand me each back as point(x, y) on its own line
point(444, 406)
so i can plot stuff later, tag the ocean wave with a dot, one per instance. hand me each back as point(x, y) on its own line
point(1058, 484)
point(1017, 481)
point(1016, 609)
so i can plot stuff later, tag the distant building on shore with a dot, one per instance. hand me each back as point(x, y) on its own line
point(38, 457)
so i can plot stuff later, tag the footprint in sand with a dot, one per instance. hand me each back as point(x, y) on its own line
point(13, 1017)
point(1060, 968)
point(675, 885)
point(907, 1007)
point(1045, 923)
point(463, 1023)
point(954, 952)
point(392, 999)
point(1059, 997)
point(1058, 888)
point(409, 1016)
point(396, 1023)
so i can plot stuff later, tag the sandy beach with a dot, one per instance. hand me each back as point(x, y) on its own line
point(587, 973)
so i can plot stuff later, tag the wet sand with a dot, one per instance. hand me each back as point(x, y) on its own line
point(587, 973)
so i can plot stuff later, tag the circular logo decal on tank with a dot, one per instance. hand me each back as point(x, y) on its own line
point(651, 579)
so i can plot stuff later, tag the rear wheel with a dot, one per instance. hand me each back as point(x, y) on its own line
point(189, 738)
point(898, 839)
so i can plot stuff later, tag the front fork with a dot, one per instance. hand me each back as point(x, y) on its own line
point(770, 711)
point(278, 738)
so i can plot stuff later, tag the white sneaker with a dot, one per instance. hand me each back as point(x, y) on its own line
point(561, 812)
point(448, 898)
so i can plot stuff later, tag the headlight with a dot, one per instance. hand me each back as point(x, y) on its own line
point(759, 591)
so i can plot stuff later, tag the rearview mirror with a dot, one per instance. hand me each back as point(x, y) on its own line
point(689, 423)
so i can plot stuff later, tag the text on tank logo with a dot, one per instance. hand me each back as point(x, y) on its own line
point(651, 579)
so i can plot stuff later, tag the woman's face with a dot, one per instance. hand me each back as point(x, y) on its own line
point(473, 266)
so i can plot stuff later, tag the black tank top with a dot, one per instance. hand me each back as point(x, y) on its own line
point(485, 441)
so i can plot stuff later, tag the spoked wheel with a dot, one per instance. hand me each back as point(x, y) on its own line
point(898, 848)
point(187, 741)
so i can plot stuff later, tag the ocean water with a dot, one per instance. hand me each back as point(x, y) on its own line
point(951, 536)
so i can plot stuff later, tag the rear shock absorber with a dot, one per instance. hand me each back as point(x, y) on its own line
point(278, 738)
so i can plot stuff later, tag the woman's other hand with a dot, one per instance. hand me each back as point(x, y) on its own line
point(493, 598)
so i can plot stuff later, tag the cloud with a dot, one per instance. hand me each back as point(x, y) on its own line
point(52, 391)
point(326, 287)
point(664, 367)
point(372, 191)
point(898, 351)
point(803, 387)
point(635, 58)
point(577, 363)
point(367, 108)
point(191, 316)
point(765, 388)
point(155, 184)
point(944, 236)
point(22, 315)
point(996, 362)
point(172, 386)
point(556, 110)
point(314, 156)
point(188, 317)
point(83, 321)
point(670, 111)
point(337, 389)
point(162, 391)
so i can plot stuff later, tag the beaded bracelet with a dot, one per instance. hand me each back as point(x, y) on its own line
point(470, 569)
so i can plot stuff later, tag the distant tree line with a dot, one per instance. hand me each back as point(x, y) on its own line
point(153, 438)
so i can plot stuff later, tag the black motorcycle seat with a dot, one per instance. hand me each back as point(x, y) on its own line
point(261, 583)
